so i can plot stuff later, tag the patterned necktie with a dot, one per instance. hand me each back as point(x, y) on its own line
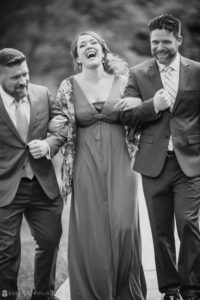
point(21, 120)
point(22, 127)
point(169, 84)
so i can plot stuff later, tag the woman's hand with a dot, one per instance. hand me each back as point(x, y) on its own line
point(128, 103)
point(56, 124)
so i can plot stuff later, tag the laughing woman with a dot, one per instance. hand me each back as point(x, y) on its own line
point(104, 237)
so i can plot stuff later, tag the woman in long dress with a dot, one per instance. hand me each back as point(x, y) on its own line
point(104, 254)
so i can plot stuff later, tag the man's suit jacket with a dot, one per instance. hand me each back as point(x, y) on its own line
point(14, 151)
point(183, 123)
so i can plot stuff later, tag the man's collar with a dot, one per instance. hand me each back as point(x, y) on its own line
point(7, 99)
point(175, 64)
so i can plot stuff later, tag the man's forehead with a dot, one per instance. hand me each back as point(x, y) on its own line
point(161, 34)
point(16, 69)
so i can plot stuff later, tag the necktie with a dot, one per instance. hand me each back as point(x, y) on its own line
point(169, 84)
point(22, 127)
point(21, 120)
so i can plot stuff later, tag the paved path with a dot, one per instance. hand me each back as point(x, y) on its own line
point(148, 255)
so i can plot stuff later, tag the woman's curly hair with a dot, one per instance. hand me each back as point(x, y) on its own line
point(112, 63)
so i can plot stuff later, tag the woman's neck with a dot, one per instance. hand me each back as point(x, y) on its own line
point(94, 75)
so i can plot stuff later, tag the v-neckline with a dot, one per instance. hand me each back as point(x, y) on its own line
point(87, 100)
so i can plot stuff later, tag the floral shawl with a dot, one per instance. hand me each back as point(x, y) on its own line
point(65, 100)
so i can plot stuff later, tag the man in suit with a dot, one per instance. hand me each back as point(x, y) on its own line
point(28, 184)
point(169, 155)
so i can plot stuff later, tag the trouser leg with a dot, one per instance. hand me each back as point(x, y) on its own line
point(44, 218)
point(173, 193)
point(10, 246)
point(187, 206)
point(160, 204)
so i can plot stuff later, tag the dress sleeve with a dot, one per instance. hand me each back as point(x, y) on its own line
point(65, 101)
point(123, 84)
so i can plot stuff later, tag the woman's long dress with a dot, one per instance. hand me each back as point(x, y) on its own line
point(104, 236)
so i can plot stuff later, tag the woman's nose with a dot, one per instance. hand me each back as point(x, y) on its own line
point(89, 45)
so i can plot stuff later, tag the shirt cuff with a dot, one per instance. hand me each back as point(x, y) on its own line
point(48, 155)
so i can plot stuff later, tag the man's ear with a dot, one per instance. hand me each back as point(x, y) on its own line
point(180, 39)
point(1, 73)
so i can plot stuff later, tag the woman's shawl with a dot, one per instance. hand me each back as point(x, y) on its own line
point(65, 100)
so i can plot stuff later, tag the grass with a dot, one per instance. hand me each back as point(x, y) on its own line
point(25, 279)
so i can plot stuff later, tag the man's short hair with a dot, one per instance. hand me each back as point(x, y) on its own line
point(167, 22)
point(10, 57)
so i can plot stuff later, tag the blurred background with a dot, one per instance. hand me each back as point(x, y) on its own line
point(45, 29)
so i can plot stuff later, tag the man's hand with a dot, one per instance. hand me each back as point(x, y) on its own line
point(161, 100)
point(38, 148)
point(128, 103)
point(57, 123)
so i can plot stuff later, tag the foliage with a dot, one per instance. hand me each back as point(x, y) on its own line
point(45, 29)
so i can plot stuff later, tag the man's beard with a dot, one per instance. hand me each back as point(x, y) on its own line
point(168, 56)
point(20, 92)
point(11, 93)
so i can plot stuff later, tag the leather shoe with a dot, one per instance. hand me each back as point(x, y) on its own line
point(191, 298)
point(171, 297)
point(53, 297)
point(38, 296)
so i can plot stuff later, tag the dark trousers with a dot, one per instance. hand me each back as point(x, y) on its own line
point(44, 218)
point(172, 194)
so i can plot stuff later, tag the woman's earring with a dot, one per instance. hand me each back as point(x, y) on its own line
point(79, 65)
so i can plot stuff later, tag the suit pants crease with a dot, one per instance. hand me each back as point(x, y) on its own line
point(43, 216)
point(174, 196)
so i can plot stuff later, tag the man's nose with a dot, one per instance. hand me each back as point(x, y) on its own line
point(22, 80)
point(160, 46)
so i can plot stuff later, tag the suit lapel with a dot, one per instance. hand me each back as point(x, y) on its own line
point(6, 118)
point(183, 80)
point(154, 75)
point(33, 110)
point(155, 78)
